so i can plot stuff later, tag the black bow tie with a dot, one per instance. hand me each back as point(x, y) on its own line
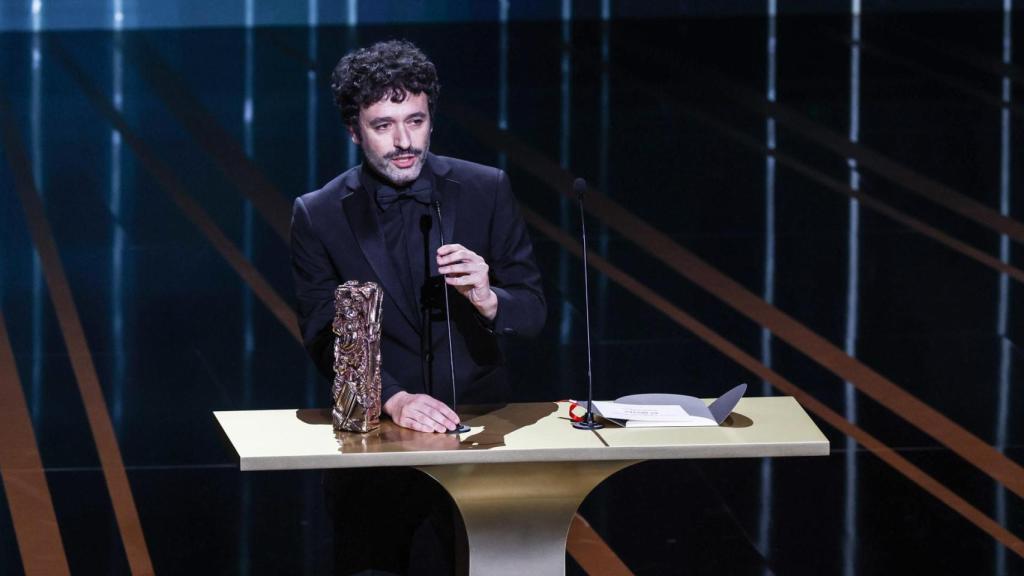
point(386, 195)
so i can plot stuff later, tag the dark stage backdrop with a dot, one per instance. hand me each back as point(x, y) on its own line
point(131, 14)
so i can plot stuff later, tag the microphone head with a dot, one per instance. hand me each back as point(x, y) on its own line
point(579, 186)
point(440, 223)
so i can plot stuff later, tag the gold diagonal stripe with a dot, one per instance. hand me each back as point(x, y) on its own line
point(78, 350)
point(591, 552)
point(28, 493)
point(813, 405)
point(172, 185)
point(685, 263)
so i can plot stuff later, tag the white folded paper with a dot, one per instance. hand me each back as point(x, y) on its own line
point(647, 410)
point(639, 415)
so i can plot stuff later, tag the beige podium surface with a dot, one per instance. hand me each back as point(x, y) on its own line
point(520, 473)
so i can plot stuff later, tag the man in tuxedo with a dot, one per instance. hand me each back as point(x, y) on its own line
point(378, 222)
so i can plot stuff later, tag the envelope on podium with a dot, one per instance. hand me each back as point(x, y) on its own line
point(659, 410)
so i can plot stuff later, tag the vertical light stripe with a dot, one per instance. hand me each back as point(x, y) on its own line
point(503, 6)
point(765, 504)
point(1002, 419)
point(247, 103)
point(312, 154)
point(351, 36)
point(36, 108)
point(604, 164)
point(770, 167)
point(352, 152)
point(117, 14)
point(1004, 177)
point(312, 107)
point(248, 336)
point(565, 206)
point(1002, 426)
point(248, 349)
point(1005, 194)
point(503, 9)
point(37, 388)
point(850, 489)
point(850, 395)
point(351, 149)
point(352, 18)
point(117, 250)
point(248, 331)
point(248, 136)
point(565, 86)
point(311, 495)
point(37, 15)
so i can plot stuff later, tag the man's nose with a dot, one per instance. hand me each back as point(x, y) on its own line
point(402, 138)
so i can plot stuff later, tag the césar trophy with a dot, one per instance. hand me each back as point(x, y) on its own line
point(356, 327)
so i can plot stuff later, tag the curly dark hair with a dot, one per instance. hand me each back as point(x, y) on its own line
point(389, 69)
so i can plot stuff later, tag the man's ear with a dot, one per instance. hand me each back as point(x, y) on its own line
point(354, 134)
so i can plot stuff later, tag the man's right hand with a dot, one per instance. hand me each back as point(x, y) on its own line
point(420, 412)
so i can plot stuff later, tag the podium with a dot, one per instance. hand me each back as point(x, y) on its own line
point(519, 475)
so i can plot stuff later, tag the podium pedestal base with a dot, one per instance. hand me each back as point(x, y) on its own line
point(517, 514)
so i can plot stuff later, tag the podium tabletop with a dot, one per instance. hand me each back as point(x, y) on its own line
point(527, 432)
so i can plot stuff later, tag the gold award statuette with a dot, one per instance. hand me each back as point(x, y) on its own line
point(356, 390)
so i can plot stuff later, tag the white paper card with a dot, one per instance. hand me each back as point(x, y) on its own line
point(641, 412)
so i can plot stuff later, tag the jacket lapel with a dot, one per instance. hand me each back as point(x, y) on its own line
point(448, 191)
point(362, 217)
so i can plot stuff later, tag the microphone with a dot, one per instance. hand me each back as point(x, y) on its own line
point(579, 186)
point(460, 428)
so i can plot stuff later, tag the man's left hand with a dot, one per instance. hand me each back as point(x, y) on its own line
point(467, 272)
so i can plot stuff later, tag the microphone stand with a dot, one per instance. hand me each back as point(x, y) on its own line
point(579, 186)
point(460, 428)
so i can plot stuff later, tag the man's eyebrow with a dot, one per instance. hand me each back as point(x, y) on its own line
point(380, 119)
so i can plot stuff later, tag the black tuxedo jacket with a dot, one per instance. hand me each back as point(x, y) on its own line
point(336, 237)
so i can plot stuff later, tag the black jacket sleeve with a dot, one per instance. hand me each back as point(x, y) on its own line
point(514, 276)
